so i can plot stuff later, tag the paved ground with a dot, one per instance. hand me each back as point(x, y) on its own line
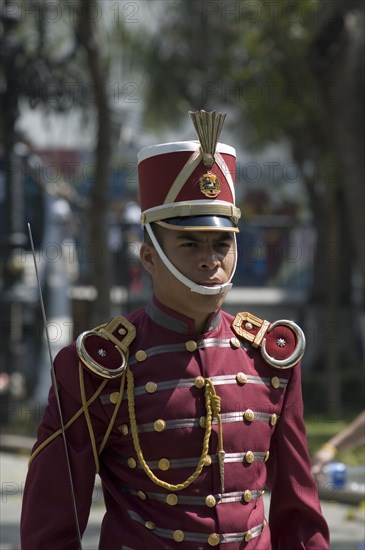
point(346, 522)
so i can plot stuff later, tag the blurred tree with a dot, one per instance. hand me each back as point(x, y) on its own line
point(35, 73)
point(90, 39)
point(45, 65)
point(287, 72)
point(337, 59)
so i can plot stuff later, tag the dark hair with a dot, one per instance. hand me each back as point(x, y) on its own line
point(156, 231)
point(146, 237)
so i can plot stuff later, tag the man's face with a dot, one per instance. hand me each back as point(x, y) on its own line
point(205, 257)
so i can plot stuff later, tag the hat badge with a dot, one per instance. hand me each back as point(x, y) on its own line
point(209, 185)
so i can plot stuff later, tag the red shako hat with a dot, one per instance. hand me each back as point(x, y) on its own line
point(190, 185)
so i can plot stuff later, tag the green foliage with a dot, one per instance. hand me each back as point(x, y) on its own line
point(249, 57)
point(315, 392)
point(321, 429)
point(321, 426)
point(48, 68)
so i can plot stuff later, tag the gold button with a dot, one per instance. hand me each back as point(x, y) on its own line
point(199, 382)
point(164, 464)
point(273, 419)
point(202, 421)
point(267, 454)
point(141, 495)
point(178, 535)
point(235, 343)
point(150, 525)
point(210, 501)
point(214, 539)
point(248, 326)
point(207, 460)
point(113, 397)
point(172, 499)
point(191, 345)
point(241, 378)
point(249, 415)
point(151, 387)
point(275, 382)
point(248, 536)
point(249, 457)
point(247, 495)
point(141, 355)
point(132, 463)
point(159, 425)
point(124, 429)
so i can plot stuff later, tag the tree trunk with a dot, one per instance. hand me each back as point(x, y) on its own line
point(337, 60)
point(101, 273)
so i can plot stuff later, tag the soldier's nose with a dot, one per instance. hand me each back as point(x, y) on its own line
point(210, 259)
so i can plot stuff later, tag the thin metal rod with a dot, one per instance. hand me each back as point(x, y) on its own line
point(55, 387)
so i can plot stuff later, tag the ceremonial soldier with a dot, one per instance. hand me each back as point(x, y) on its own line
point(188, 414)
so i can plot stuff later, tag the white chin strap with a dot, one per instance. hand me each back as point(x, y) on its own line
point(194, 287)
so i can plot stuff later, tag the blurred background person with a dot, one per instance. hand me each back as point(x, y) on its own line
point(349, 438)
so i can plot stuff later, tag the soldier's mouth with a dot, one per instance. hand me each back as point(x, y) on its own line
point(211, 283)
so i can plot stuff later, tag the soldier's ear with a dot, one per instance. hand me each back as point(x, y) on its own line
point(148, 257)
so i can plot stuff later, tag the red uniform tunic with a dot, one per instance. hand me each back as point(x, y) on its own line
point(263, 435)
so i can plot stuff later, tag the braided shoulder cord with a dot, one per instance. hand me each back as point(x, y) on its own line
point(116, 409)
point(87, 418)
point(216, 406)
point(69, 422)
point(212, 405)
point(96, 452)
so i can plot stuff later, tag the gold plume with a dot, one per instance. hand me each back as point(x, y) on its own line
point(208, 126)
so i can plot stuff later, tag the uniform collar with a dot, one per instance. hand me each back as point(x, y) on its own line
point(177, 322)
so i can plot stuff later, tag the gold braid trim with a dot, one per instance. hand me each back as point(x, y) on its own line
point(112, 420)
point(185, 208)
point(212, 405)
point(69, 423)
point(87, 418)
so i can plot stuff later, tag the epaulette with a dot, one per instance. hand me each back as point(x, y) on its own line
point(104, 349)
point(282, 343)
